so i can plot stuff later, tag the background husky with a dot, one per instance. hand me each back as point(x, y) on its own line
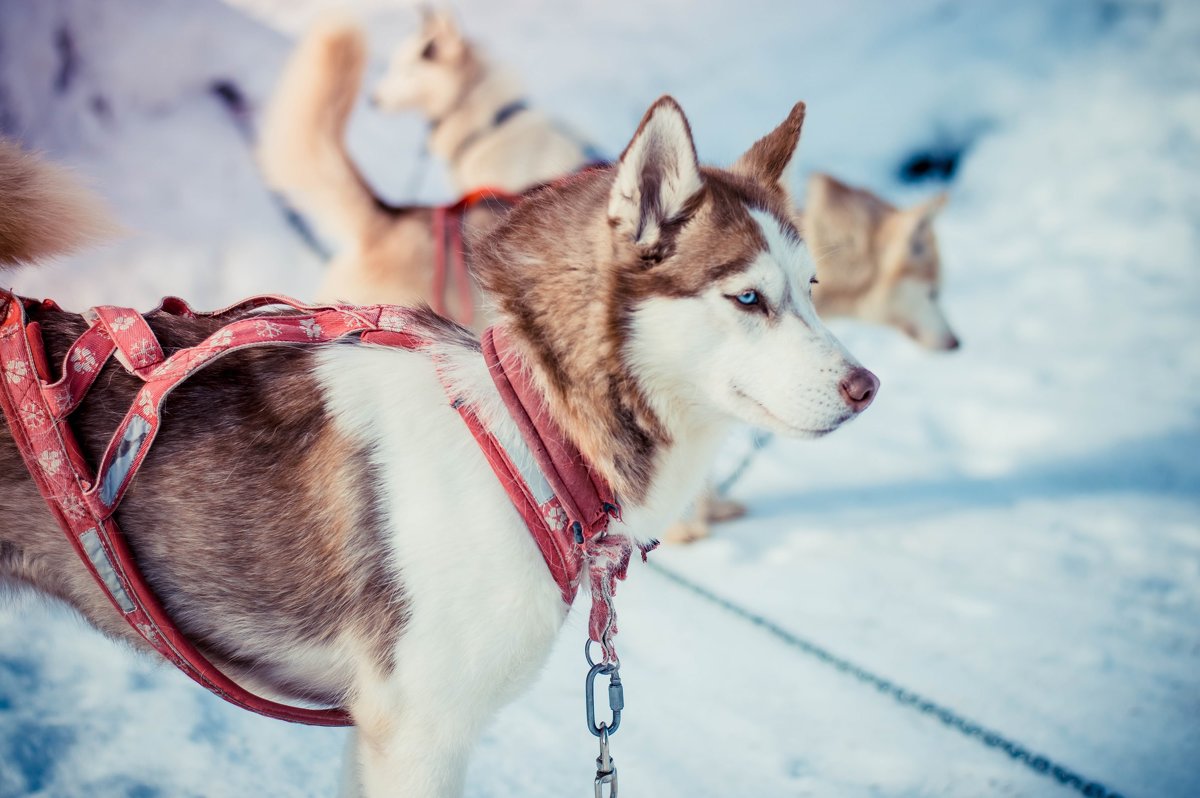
point(874, 262)
point(877, 263)
point(374, 583)
point(382, 253)
point(480, 122)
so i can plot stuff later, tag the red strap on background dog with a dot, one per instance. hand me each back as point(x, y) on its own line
point(450, 255)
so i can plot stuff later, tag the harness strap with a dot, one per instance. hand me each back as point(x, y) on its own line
point(450, 254)
point(564, 504)
point(84, 506)
point(582, 503)
point(137, 346)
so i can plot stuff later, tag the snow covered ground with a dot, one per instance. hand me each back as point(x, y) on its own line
point(1012, 530)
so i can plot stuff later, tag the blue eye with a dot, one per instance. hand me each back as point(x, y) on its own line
point(747, 298)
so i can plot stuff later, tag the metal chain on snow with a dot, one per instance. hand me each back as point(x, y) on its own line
point(1039, 763)
point(761, 439)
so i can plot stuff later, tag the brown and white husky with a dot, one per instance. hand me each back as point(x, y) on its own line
point(321, 523)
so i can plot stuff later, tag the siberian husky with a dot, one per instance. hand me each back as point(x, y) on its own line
point(654, 303)
point(480, 122)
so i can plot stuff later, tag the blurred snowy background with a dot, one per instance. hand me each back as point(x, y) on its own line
point(1012, 530)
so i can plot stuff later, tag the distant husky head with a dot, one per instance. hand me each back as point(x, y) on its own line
point(877, 263)
point(431, 70)
point(700, 307)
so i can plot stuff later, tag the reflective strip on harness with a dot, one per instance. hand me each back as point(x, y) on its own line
point(104, 567)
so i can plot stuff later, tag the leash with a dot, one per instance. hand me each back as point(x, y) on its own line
point(761, 439)
point(1037, 762)
point(234, 101)
point(416, 178)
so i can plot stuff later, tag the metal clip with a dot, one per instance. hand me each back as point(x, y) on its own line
point(606, 769)
point(616, 698)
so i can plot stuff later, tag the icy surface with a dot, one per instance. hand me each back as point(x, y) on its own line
point(1013, 530)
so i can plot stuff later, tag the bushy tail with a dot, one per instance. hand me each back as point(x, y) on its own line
point(301, 148)
point(43, 211)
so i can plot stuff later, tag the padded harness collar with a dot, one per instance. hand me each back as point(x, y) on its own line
point(564, 503)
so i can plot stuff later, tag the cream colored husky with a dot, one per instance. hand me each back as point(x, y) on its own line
point(480, 122)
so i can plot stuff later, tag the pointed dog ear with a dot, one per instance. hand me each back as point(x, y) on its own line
point(657, 176)
point(769, 160)
point(440, 24)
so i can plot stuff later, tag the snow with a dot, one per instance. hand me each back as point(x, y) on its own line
point(1012, 530)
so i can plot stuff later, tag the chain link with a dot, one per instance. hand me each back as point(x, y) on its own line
point(759, 442)
point(1037, 762)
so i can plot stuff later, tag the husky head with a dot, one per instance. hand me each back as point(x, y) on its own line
point(876, 262)
point(659, 296)
point(430, 71)
point(731, 323)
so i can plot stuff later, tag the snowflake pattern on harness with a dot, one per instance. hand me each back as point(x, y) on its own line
point(143, 352)
point(72, 506)
point(15, 371)
point(311, 328)
point(267, 329)
point(146, 403)
point(221, 338)
point(122, 323)
point(83, 361)
point(555, 515)
point(50, 461)
point(352, 320)
point(392, 321)
point(33, 414)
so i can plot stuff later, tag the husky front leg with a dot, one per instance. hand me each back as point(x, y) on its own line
point(414, 753)
point(351, 782)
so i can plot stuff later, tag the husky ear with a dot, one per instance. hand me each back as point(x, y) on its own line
point(657, 176)
point(770, 159)
point(440, 25)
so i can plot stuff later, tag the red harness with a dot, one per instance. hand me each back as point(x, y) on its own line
point(450, 256)
point(568, 521)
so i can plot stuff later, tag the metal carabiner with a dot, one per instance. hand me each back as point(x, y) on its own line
point(606, 769)
point(616, 698)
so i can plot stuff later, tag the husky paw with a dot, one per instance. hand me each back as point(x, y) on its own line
point(686, 532)
point(724, 510)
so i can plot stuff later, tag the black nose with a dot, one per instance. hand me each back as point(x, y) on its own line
point(952, 343)
point(859, 388)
